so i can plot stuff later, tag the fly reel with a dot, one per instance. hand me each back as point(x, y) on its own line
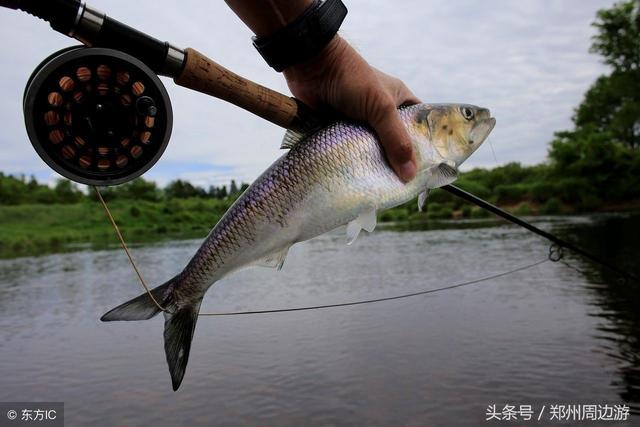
point(97, 116)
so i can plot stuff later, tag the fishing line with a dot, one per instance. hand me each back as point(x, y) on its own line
point(371, 301)
point(126, 249)
point(555, 254)
point(495, 158)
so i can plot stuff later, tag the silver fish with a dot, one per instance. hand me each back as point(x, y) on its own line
point(336, 176)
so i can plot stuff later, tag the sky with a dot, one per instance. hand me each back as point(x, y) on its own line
point(528, 61)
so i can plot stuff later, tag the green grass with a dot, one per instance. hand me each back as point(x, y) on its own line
point(32, 229)
point(44, 228)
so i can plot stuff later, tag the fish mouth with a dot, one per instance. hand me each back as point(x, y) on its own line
point(482, 129)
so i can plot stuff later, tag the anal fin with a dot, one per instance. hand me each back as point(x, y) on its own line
point(366, 220)
point(274, 260)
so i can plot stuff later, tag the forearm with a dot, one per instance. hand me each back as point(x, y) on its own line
point(264, 17)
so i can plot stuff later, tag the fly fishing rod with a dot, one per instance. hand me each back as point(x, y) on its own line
point(98, 114)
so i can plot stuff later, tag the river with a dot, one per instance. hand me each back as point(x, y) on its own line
point(550, 334)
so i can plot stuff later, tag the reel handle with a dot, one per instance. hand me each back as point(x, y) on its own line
point(204, 75)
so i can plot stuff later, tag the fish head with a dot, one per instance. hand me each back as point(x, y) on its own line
point(455, 131)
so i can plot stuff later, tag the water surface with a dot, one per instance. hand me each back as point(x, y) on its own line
point(549, 334)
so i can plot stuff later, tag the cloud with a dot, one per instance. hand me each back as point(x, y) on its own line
point(528, 61)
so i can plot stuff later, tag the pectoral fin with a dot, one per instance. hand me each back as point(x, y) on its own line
point(441, 175)
point(366, 220)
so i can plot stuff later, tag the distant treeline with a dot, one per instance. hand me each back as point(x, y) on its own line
point(17, 190)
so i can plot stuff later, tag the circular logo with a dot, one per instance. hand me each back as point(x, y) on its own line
point(12, 415)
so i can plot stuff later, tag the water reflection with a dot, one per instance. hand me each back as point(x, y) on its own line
point(616, 239)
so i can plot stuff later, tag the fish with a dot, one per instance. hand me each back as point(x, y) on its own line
point(335, 176)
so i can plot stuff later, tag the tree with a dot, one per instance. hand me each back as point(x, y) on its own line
point(233, 189)
point(600, 159)
point(612, 104)
point(618, 38)
point(605, 168)
point(179, 189)
point(139, 189)
point(66, 192)
point(222, 193)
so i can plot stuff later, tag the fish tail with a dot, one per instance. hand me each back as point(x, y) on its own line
point(178, 333)
point(141, 307)
point(179, 324)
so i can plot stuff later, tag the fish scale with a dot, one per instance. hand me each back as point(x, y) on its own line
point(337, 176)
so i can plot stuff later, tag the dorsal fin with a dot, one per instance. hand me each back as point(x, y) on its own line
point(291, 138)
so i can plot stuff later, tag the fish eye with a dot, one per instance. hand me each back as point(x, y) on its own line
point(466, 112)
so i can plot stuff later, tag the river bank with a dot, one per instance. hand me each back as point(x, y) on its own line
point(36, 229)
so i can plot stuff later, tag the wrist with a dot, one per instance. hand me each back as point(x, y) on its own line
point(321, 63)
point(304, 37)
point(267, 17)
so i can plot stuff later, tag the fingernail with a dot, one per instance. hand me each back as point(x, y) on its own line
point(407, 171)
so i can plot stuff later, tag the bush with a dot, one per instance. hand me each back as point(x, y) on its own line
point(552, 206)
point(477, 212)
point(543, 191)
point(589, 202)
point(437, 195)
point(473, 187)
point(441, 212)
point(172, 206)
point(134, 211)
point(573, 190)
point(523, 209)
point(67, 192)
point(395, 214)
point(510, 193)
point(385, 216)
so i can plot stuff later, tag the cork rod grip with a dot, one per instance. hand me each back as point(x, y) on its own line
point(204, 75)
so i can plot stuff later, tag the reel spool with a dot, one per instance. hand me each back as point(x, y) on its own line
point(97, 116)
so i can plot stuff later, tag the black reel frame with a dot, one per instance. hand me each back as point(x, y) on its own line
point(97, 116)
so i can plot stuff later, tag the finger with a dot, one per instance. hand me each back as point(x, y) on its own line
point(394, 138)
point(404, 96)
point(401, 93)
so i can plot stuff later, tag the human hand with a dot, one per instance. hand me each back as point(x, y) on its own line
point(338, 77)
